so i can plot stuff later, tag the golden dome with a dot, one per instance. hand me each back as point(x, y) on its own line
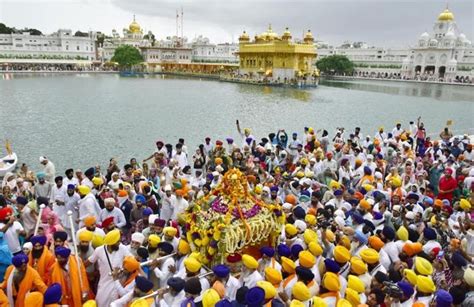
point(244, 37)
point(269, 34)
point(134, 27)
point(308, 37)
point(446, 15)
point(286, 35)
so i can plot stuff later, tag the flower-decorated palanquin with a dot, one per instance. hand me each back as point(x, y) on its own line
point(230, 219)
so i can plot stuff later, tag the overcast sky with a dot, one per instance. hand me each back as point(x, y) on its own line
point(391, 23)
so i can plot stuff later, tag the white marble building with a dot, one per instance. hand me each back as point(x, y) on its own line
point(206, 52)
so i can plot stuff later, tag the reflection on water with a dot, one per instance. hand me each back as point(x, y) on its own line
point(276, 92)
point(438, 91)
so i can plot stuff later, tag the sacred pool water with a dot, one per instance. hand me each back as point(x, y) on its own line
point(79, 120)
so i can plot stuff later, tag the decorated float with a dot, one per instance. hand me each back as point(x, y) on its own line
point(231, 219)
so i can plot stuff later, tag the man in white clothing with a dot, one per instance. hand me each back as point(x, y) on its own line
point(222, 273)
point(48, 168)
point(162, 268)
point(180, 156)
point(168, 203)
point(88, 205)
point(250, 274)
point(58, 195)
point(142, 288)
point(111, 210)
point(175, 294)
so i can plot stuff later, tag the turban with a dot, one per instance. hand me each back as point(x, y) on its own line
point(176, 283)
point(388, 233)
point(159, 223)
point(112, 237)
point(130, 264)
point(331, 282)
point(223, 303)
point(143, 284)
point(268, 288)
point(412, 248)
point(458, 260)
point(138, 237)
point(62, 251)
point(20, 200)
point(330, 236)
point(40, 175)
point(331, 265)
point(97, 181)
point(147, 212)
point(355, 283)
point(273, 275)
point(352, 296)
point(41, 240)
point(249, 262)
point(358, 266)
point(255, 296)
point(310, 235)
point(4, 212)
point(86, 236)
point(219, 288)
point(89, 220)
point(53, 294)
point(413, 196)
point(97, 241)
point(464, 204)
point(376, 243)
point(28, 246)
point(165, 247)
point(234, 258)
point(19, 259)
point(370, 255)
point(153, 240)
point(192, 265)
point(443, 298)
point(84, 190)
point(140, 198)
point(61, 235)
point(170, 231)
point(106, 223)
point(288, 265)
point(304, 274)
point(284, 250)
point(361, 237)
point(407, 288)
point(356, 217)
point(296, 249)
point(306, 259)
point(296, 303)
point(183, 247)
point(192, 286)
point(469, 276)
point(299, 212)
point(300, 225)
point(310, 219)
point(341, 254)
point(369, 224)
point(221, 270)
point(410, 275)
point(423, 266)
point(315, 249)
point(429, 233)
point(290, 198)
point(402, 233)
point(301, 292)
point(267, 251)
point(365, 204)
point(89, 172)
point(71, 187)
point(338, 193)
point(425, 284)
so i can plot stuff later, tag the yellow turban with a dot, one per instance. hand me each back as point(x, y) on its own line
point(249, 262)
point(300, 174)
point(402, 233)
point(410, 275)
point(425, 284)
point(368, 187)
point(331, 281)
point(370, 255)
point(376, 243)
point(153, 240)
point(84, 190)
point(97, 181)
point(90, 303)
point(310, 219)
point(341, 254)
point(310, 235)
point(396, 181)
point(273, 276)
point(345, 241)
point(315, 249)
point(469, 276)
point(358, 266)
point(89, 220)
point(86, 236)
point(183, 247)
point(353, 297)
point(97, 241)
point(355, 283)
point(258, 189)
point(291, 229)
point(296, 303)
point(334, 184)
point(423, 266)
point(307, 259)
point(300, 292)
point(130, 264)
point(112, 237)
point(319, 302)
point(192, 264)
point(270, 291)
point(288, 265)
point(210, 297)
point(170, 231)
point(464, 204)
point(330, 236)
point(343, 303)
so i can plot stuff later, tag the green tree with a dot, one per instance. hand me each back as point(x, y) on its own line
point(151, 37)
point(81, 34)
point(335, 64)
point(127, 56)
point(4, 29)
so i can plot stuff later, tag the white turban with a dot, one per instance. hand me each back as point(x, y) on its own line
point(300, 225)
point(138, 237)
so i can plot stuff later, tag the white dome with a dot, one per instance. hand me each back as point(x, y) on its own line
point(433, 41)
point(462, 36)
point(425, 36)
point(450, 35)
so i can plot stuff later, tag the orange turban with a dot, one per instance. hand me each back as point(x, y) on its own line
point(412, 249)
point(89, 220)
point(130, 264)
point(290, 198)
point(376, 243)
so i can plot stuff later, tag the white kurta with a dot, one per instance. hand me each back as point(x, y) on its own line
point(163, 273)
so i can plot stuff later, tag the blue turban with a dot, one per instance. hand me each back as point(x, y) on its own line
point(388, 233)
point(283, 250)
point(210, 176)
point(61, 235)
point(248, 140)
point(143, 284)
point(338, 193)
point(221, 270)
point(413, 196)
point(147, 211)
point(176, 283)
point(429, 233)
point(306, 193)
point(304, 274)
point(42, 201)
point(363, 191)
point(19, 259)
point(223, 303)
point(53, 294)
point(331, 265)
point(255, 297)
point(140, 198)
point(166, 247)
point(71, 187)
point(458, 260)
point(90, 172)
point(369, 224)
point(407, 288)
point(367, 170)
point(359, 235)
point(356, 217)
point(38, 239)
point(429, 200)
point(229, 140)
point(274, 188)
point(21, 200)
point(62, 251)
point(443, 298)
point(296, 249)
point(268, 251)
point(377, 215)
point(40, 175)
point(299, 212)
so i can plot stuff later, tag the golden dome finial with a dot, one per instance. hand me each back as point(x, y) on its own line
point(446, 15)
point(286, 35)
point(244, 37)
point(134, 27)
point(308, 38)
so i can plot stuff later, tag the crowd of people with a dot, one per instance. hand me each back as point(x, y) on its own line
point(382, 220)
